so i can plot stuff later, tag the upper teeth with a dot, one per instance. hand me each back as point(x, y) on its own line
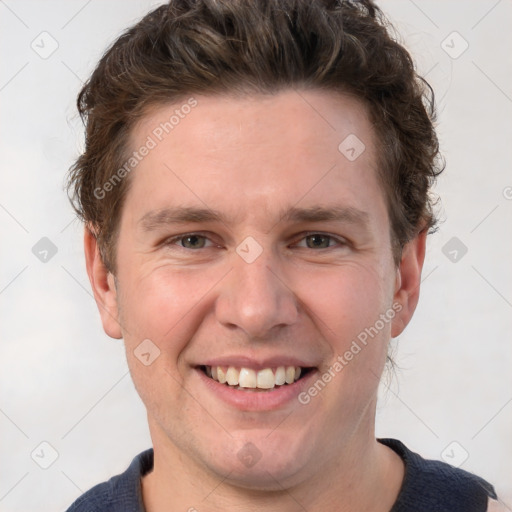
point(249, 378)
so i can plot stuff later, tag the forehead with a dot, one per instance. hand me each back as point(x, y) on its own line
point(254, 154)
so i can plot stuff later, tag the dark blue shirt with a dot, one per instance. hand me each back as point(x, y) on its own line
point(428, 486)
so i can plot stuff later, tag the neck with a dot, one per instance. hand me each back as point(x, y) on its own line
point(364, 475)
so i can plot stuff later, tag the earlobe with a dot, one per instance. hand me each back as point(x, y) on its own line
point(103, 285)
point(407, 283)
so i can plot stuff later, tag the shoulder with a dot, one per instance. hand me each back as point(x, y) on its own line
point(122, 493)
point(434, 485)
point(96, 499)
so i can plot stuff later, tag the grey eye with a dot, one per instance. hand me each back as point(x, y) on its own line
point(318, 241)
point(193, 242)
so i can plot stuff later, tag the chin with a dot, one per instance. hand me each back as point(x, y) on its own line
point(260, 461)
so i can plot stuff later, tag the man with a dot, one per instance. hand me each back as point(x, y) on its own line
point(255, 192)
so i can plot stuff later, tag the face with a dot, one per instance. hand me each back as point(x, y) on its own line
point(253, 239)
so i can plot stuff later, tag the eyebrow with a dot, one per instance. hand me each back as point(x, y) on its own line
point(348, 215)
point(156, 219)
point(159, 218)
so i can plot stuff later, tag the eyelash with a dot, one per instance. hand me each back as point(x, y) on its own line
point(337, 240)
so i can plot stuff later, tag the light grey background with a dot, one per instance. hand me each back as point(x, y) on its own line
point(64, 382)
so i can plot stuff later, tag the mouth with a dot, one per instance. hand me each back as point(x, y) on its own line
point(256, 380)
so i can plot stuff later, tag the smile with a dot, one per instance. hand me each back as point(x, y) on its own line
point(248, 379)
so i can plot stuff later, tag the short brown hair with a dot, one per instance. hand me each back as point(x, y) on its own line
point(191, 47)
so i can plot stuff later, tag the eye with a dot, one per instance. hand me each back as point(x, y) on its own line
point(190, 241)
point(319, 241)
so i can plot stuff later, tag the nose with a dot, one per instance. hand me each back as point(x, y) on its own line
point(256, 298)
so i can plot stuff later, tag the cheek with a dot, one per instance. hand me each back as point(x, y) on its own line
point(352, 312)
point(347, 301)
point(165, 305)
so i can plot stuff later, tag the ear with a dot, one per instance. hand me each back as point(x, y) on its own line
point(408, 280)
point(103, 285)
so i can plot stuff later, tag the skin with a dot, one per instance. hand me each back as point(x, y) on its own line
point(251, 159)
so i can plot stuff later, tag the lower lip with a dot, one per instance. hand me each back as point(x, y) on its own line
point(257, 400)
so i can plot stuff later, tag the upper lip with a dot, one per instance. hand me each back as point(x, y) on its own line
point(239, 361)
